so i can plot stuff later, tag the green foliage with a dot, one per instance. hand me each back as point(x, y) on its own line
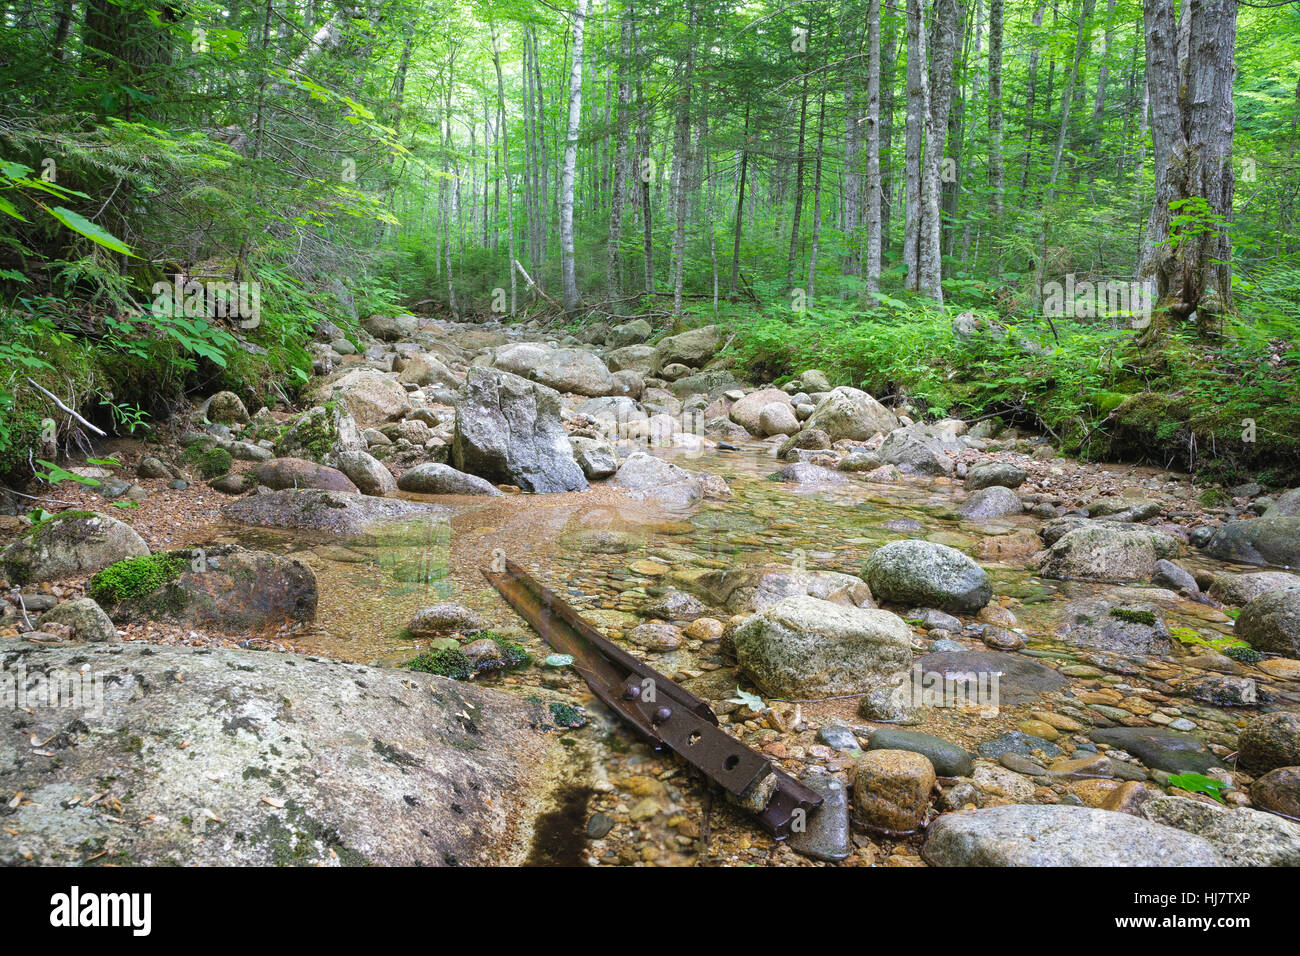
point(135, 577)
point(1199, 783)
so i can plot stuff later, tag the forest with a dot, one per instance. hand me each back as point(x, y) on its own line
point(598, 433)
point(834, 180)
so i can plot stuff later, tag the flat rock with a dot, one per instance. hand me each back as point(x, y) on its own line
point(289, 760)
point(1060, 835)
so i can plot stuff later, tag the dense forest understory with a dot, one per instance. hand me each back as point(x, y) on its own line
point(805, 354)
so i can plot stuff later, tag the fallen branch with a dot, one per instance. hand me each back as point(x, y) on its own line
point(64, 408)
point(534, 286)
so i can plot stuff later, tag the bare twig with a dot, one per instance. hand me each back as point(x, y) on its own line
point(64, 408)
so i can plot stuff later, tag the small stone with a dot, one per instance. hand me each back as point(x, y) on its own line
point(891, 789)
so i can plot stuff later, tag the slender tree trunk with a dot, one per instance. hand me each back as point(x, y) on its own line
point(852, 213)
point(798, 187)
point(997, 165)
point(1030, 91)
point(681, 181)
point(740, 206)
point(567, 272)
point(888, 73)
point(817, 200)
point(873, 146)
point(620, 173)
point(918, 111)
point(505, 149)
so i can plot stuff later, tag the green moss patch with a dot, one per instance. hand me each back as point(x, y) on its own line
point(135, 577)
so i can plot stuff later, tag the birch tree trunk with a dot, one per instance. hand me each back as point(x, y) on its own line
point(568, 277)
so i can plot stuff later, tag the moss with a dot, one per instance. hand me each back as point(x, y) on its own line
point(1130, 616)
point(444, 663)
point(566, 715)
point(210, 462)
point(453, 662)
point(135, 577)
point(1213, 497)
point(1244, 655)
point(69, 515)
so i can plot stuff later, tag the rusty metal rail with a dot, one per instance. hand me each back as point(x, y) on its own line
point(660, 709)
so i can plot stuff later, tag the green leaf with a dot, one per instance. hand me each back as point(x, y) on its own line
point(79, 223)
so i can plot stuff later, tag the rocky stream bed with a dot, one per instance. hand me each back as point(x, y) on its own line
point(978, 652)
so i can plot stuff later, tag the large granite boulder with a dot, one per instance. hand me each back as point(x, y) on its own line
point(508, 431)
point(69, 544)
point(267, 759)
point(925, 574)
point(852, 414)
point(807, 647)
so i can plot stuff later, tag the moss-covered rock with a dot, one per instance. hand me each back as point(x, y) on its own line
point(227, 586)
point(68, 544)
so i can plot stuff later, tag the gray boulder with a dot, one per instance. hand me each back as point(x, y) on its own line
point(366, 472)
point(1101, 551)
point(320, 434)
point(653, 478)
point(69, 544)
point(995, 501)
point(313, 509)
point(596, 458)
point(508, 431)
point(434, 478)
point(1271, 622)
point(804, 646)
point(932, 575)
point(290, 761)
point(1267, 540)
point(86, 618)
point(749, 409)
point(989, 474)
point(1106, 625)
point(852, 414)
point(1243, 837)
point(629, 333)
point(916, 452)
point(1060, 835)
point(371, 396)
point(693, 348)
point(223, 585)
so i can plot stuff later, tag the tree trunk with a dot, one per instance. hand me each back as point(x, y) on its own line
point(620, 174)
point(997, 166)
point(681, 183)
point(873, 146)
point(505, 150)
point(1191, 129)
point(817, 201)
point(948, 16)
point(798, 187)
point(918, 110)
point(740, 206)
point(568, 275)
point(888, 71)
